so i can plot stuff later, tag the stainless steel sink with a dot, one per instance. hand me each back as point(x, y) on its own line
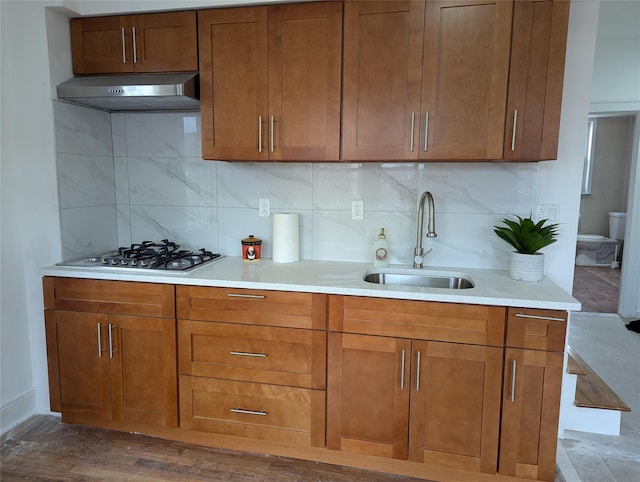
point(416, 277)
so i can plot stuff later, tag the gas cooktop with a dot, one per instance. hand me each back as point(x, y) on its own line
point(149, 255)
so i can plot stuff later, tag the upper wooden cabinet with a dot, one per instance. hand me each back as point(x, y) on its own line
point(433, 87)
point(464, 79)
point(381, 79)
point(535, 80)
point(270, 82)
point(157, 42)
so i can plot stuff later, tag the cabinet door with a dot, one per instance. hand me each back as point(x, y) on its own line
point(78, 357)
point(535, 79)
point(381, 79)
point(464, 81)
point(101, 45)
point(143, 370)
point(165, 42)
point(455, 405)
point(530, 411)
point(305, 53)
point(368, 395)
point(233, 83)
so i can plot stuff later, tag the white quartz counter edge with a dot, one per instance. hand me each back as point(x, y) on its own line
point(492, 287)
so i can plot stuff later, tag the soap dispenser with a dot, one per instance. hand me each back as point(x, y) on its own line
point(381, 251)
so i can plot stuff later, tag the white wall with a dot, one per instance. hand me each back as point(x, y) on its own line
point(559, 181)
point(630, 281)
point(616, 72)
point(30, 219)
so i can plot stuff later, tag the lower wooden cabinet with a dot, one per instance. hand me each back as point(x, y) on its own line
point(111, 351)
point(253, 364)
point(409, 387)
point(112, 367)
point(531, 392)
point(430, 402)
point(533, 380)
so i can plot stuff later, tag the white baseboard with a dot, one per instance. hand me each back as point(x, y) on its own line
point(17, 411)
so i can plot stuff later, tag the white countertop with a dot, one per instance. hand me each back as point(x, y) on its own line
point(492, 286)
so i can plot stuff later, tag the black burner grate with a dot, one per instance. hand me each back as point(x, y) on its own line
point(165, 255)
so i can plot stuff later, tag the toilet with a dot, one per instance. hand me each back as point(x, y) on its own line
point(598, 250)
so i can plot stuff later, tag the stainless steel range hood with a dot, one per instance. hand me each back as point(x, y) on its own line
point(134, 92)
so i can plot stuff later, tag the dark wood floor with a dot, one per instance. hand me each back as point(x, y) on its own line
point(597, 288)
point(45, 449)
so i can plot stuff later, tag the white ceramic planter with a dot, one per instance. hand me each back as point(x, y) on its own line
point(526, 267)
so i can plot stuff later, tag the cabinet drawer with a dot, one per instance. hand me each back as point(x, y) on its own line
point(253, 307)
point(254, 410)
point(102, 296)
point(280, 356)
point(458, 323)
point(536, 329)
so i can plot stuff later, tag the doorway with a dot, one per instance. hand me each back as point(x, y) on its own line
point(597, 278)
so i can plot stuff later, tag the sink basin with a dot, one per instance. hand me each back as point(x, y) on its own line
point(417, 277)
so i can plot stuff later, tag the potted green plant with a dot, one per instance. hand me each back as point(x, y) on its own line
point(528, 238)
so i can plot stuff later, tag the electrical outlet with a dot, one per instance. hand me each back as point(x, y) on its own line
point(265, 208)
point(549, 212)
point(542, 212)
point(357, 210)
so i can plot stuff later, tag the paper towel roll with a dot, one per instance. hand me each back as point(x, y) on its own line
point(286, 238)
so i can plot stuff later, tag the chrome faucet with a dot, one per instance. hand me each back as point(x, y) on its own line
point(418, 252)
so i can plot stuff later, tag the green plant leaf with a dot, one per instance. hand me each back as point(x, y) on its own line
point(526, 236)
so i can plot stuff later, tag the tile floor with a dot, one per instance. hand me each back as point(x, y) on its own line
point(597, 288)
point(612, 351)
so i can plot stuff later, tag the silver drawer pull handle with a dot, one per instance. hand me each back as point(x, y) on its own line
point(238, 295)
point(111, 349)
point(535, 317)
point(513, 380)
point(413, 123)
point(124, 52)
point(426, 132)
point(262, 413)
point(135, 48)
point(100, 349)
point(402, 373)
point(418, 373)
point(244, 353)
point(260, 133)
point(271, 134)
point(515, 126)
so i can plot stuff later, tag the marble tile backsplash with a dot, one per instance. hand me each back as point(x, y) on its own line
point(86, 180)
point(127, 177)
